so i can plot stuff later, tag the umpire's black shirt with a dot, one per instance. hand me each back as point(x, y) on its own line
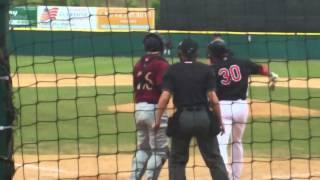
point(189, 83)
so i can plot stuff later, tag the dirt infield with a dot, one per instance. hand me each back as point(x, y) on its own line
point(257, 109)
point(65, 80)
point(117, 167)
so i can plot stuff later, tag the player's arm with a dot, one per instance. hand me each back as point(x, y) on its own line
point(214, 101)
point(161, 68)
point(167, 87)
point(264, 70)
point(162, 105)
point(213, 98)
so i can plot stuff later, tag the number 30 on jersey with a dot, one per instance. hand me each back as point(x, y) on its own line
point(233, 74)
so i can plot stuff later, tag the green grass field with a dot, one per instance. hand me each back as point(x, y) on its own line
point(69, 120)
point(108, 65)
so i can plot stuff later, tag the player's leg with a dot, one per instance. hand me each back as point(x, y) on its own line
point(224, 142)
point(165, 51)
point(237, 150)
point(143, 148)
point(224, 139)
point(179, 156)
point(211, 155)
point(159, 148)
point(239, 124)
point(142, 154)
point(208, 145)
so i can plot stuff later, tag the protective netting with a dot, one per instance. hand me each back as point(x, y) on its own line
point(71, 65)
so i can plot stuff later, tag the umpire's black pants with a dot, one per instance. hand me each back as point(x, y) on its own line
point(195, 124)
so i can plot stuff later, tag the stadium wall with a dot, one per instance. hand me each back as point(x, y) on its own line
point(66, 43)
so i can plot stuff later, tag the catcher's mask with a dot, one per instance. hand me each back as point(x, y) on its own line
point(153, 42)
point(188, 48)
point(217, 49)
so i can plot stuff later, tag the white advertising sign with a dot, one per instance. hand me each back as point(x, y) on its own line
point(66, 18)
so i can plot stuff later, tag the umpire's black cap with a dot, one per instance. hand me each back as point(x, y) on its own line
point(188, 48)
point(153, 42)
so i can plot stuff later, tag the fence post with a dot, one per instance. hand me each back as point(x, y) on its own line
point(6, 107)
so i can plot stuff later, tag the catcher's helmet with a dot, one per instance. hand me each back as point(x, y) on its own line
point(153, 42)
point(217, 49)
point(188, 48)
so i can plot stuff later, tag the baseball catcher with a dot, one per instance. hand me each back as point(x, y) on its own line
point(152, 146)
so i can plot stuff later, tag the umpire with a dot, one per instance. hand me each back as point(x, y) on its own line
point(191, 84)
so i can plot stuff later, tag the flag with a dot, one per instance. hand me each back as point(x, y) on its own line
point(49, 14)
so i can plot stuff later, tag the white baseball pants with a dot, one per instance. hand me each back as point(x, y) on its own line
point(234, 117)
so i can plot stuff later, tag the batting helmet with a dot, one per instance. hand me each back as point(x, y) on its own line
point(188, 48)
point(153, 42)
point(217, 49)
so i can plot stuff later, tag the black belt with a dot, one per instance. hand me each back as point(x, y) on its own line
point(193, 108)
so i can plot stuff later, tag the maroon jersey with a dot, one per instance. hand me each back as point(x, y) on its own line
point(147, 78)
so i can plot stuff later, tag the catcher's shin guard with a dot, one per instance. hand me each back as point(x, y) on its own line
point(139, 165)
point(155, 163)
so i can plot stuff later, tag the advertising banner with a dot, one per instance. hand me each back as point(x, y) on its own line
point(66, 18)
point(125, 18)
point(23, 16)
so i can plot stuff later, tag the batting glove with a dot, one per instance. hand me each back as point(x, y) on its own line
point(273, 76)
point(273, 79)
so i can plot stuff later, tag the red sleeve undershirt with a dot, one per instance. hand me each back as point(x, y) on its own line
point(264, 70)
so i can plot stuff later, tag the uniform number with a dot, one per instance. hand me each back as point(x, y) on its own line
point(147, 81)
point(229, 75)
